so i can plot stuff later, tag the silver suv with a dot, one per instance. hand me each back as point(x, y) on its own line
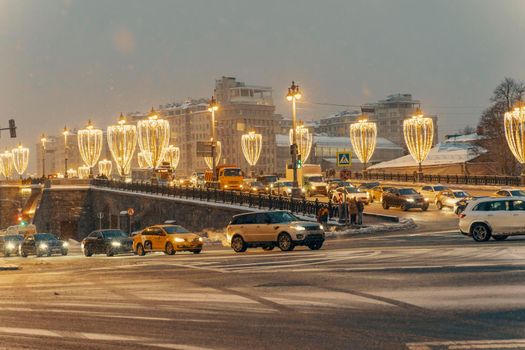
point(273, 228)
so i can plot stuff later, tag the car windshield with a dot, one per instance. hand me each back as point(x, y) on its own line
point(45, 237)
point(14, 238)
point(405, 191)
point(315, 178)
point(270, 178)
point(517, 193)
point(369, 184)
point(440, 188)
point(175, 229)
point(113, 234)
point(257, 184)
point(285, 184)
point(282, 216)
point(461, 194)
point(352, 189)
point(232, 172)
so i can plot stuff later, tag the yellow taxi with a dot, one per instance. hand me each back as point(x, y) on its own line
point(167, 239)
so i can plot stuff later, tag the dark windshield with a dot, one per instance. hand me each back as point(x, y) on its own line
point(257, 184)
point(232, 172)
point(352, 190)
point(45, 237)
point(440, 188)
point(282, 216)
point(517, 193)
point(405, 191)
point(461, 194)
point(175, 229)
point(269, 178)
point(315, 179)
point(113, 234)
point(14, 237)
point(285, 184)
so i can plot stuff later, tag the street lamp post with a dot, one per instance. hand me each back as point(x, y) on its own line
point(213, 107)
point(66, 148)
point(293, 95)
point(43, 140)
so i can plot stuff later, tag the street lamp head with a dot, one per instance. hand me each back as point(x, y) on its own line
point(66, 131)
point(293, 92)
point(122, 119)
point(43, 139)
point(89, 125)
point(152, 115)
point(213, 106)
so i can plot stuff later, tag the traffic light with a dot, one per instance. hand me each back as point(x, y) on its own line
point(299, 162)
point(12, 128)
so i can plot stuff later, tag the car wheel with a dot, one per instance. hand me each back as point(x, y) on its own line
point(371, 199)
point(268, 247)
point(439, 205)
point(197, 251)
point(169, 249)
point(285, 243)
point(109, 252)
point(480, 232)
point(315, 245)
point(385, 205)
point(38, 254)
point(147, 245)
point(48, 253)
point(140, 250)
point(238, 244)
point(404, 207)
point(87, 251)
point(23, 253)
point(500, 238)
point(64, 252)
point(7, 254)
point(424, 208)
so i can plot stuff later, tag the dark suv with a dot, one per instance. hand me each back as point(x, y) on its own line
point(404, 198)
point(109, 242)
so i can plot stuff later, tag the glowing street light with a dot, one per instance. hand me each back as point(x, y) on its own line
point(65, 133)
point(419, 133)
point(293, 95)
point(212, 162)
point(104, 168)
point(154, 138)
point(43, 140)
point(84, 172)
point(20, 159)
point(515, 133)
point(71, 173)
point(142, 159)
point(122, 141)
point(90, 145)
point(172, 156)
point(363, 136)
point(304, 140)
point(251, 147)
point(215, 153)
point(6, 163)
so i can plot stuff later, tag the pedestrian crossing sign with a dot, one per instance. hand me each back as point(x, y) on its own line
point(344, 159)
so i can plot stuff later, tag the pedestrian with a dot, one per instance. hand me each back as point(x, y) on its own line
point(360, 209)
point(352, 209)
point(322, 216)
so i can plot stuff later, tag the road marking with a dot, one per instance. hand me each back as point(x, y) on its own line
point(469, 344)
point(29, 331)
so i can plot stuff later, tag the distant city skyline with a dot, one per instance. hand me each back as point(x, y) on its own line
point(67, 61)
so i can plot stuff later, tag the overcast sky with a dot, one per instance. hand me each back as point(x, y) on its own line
point(64, 61)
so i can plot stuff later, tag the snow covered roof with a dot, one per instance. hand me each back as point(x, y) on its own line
point(463, 138)
point(441, 154)
point(340, 142)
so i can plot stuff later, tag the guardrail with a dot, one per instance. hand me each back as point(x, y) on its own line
point(443, 179)
point(260, 201)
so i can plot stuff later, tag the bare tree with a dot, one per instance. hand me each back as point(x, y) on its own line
point(491, 126)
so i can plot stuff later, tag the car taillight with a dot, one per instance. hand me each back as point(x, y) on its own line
point(461, 216)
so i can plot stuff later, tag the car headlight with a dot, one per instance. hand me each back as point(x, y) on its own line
point(266, 188)
point(42, 246)
point(254, 189)
point(10, 246)
point(410, 200)
point(426, 199)
point(303, 190)
point(116, 244)
point(289, 190)
point(299, 228)
point(241, 186)
point(321, 227)
point(65, 244)
point(225, 186)
point(200, 239)
point(179, 240)
point(313, 187)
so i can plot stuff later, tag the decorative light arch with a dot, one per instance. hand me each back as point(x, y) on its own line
point(20, 159)
point(251, 147)
point(122, 141)
point(363, 135)
point(154, 138)
point(172, 156)
point(304, 141)
point(419, 134)
point(104, 167)
point(90, 145)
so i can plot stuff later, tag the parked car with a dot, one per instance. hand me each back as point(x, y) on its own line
point(450, 198)
point(510, 192)
point(167, 239)
point(405, 198)
point(273, 228)
point(282, 187)
point(254, 186)
point(110, 242)
point(493, 217)
point(267, 180)
point(314, 185)
point(376, 193)
point(340, 193)
point(40, 244)
point(431, 191)
point(10, 244)
point(365, 186)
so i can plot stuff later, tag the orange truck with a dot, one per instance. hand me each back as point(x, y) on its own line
point(229, 177)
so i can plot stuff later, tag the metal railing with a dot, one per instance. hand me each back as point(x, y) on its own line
point(257, 201)
point(489, 180)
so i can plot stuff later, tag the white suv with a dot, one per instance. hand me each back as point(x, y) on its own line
point(493, 217)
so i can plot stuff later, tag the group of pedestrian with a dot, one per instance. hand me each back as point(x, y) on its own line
point(352, 208)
